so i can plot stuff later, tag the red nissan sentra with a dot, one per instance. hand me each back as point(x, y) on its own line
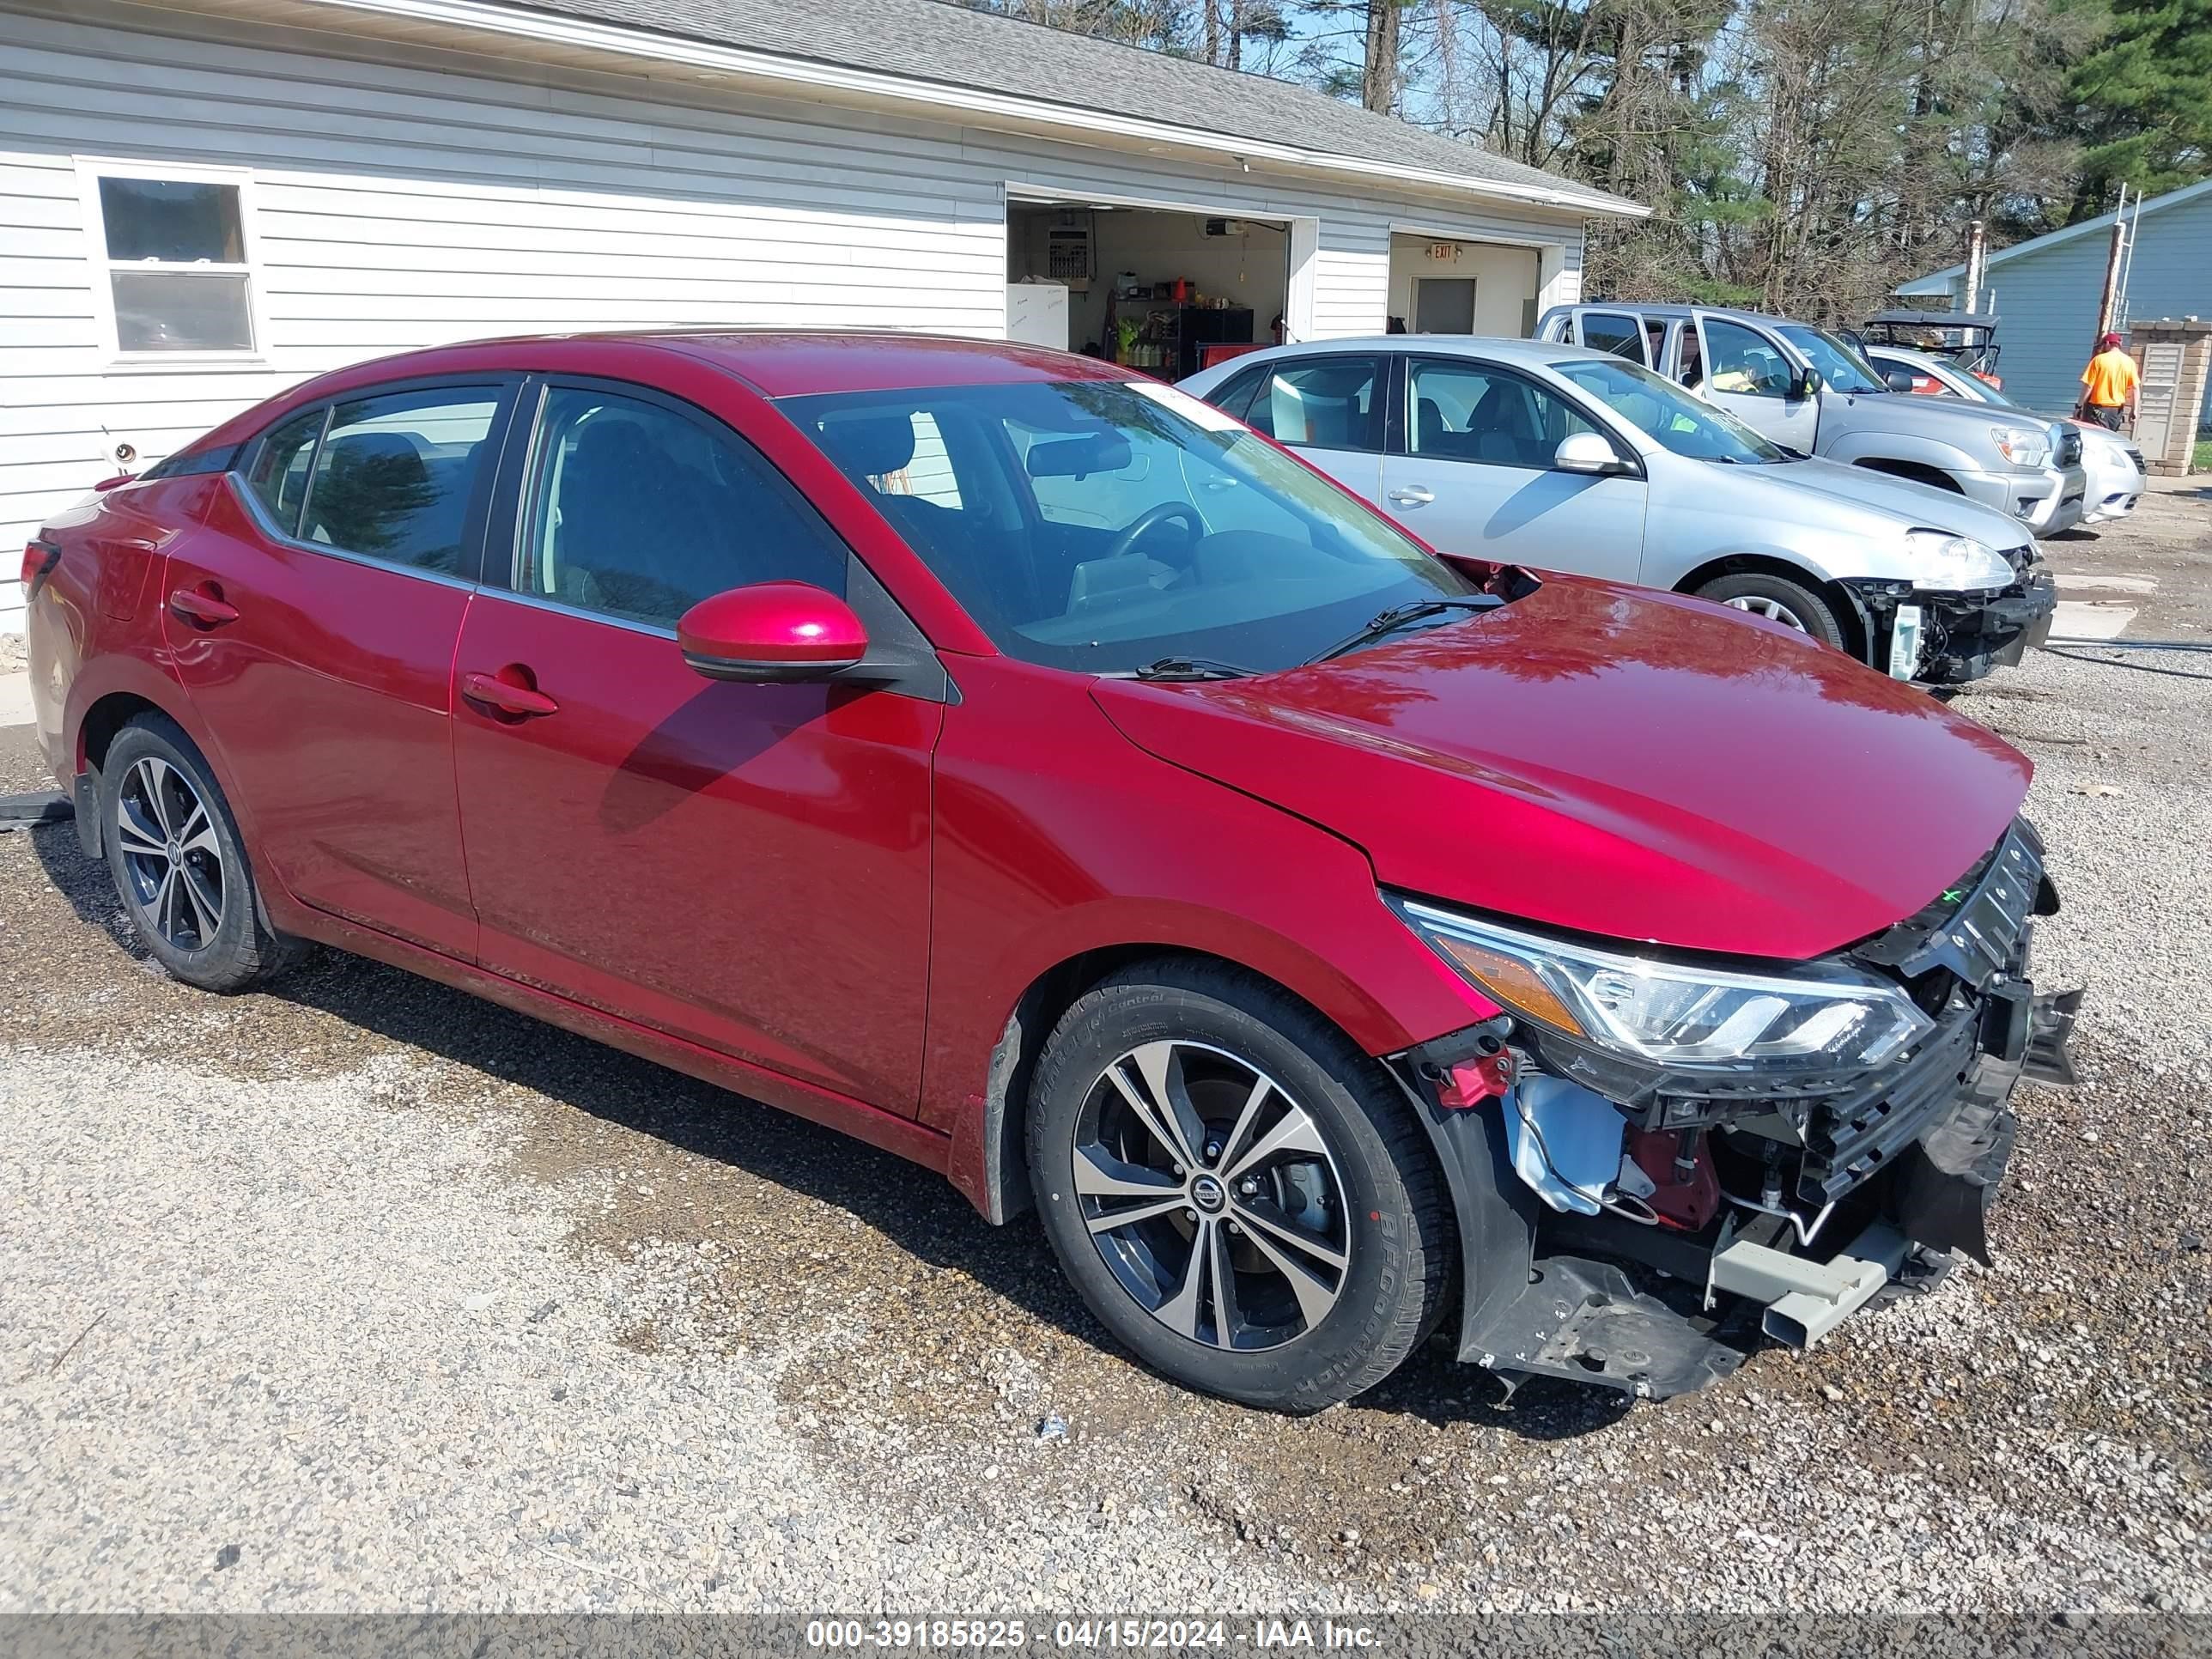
point(1024, 766)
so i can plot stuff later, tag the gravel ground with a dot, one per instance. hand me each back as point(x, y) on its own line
point(360, 1295)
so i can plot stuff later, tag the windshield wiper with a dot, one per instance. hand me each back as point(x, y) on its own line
point(1191, 668)
point(1390, 621)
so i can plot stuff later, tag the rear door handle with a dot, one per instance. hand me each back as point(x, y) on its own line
point(1412, 495)
point(204, 605)
point(521, 701)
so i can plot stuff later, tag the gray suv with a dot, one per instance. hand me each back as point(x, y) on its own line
point(1570, 459)
point(1808, 390)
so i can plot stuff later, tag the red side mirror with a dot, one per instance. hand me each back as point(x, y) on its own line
point(771, 631)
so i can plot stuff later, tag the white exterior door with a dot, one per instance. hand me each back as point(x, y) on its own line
point(1475, 477)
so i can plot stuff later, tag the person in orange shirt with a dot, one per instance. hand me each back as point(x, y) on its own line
point(2108, 386)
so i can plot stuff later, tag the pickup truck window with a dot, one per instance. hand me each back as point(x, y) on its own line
point(1743, 360)
point(1614, 332)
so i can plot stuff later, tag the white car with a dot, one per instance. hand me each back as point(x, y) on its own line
point(2112, 460)
point(1566, 459)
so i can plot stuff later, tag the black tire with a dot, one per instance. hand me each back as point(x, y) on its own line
point(1807, 609)
point(240, 948)
point(1390, 1222)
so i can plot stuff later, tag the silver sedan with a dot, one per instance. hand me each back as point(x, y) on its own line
point(1565, 458)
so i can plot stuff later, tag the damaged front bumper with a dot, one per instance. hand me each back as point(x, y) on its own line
point(1758, 1214)
point(1953, 639)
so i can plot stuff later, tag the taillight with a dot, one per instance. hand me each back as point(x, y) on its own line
point(39, 559)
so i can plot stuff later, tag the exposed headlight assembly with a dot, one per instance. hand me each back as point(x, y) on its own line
point(1952, 563)
point(2026, 446)
point(1681, 1018)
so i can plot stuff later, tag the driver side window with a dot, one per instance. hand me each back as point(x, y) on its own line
point(1742, 360)
point(639, 512)
point(1465, 411)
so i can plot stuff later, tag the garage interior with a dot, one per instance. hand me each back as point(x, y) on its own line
point(1440, 286)
point(1167, 292)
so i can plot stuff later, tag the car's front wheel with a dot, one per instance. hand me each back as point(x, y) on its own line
point(1779, 599)
point(1241, 1197)
point(179, 861)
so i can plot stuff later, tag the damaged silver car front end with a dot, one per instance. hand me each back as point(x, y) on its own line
point(1657, 1163)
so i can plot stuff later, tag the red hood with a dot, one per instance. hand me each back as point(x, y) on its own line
point(1617, 762)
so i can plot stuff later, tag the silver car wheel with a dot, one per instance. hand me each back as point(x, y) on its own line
point(1772, 610)
point(1212, 1196)
point(171, 855)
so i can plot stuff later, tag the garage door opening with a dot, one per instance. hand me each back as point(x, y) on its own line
point(1168, 293)
point(1440, 287)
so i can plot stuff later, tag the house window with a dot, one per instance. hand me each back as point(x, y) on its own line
point(176, 246)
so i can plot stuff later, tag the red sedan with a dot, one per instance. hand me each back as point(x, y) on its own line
point(1024, 766)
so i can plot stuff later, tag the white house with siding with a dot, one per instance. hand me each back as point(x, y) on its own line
point(2047, 290)
point(203, 202)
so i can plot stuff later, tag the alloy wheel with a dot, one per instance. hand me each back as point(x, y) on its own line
point(171, 855)
point(1773, 609)
point(1211, 1195)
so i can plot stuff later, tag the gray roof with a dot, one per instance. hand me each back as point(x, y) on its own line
point(1939, 281)
point(928, 40)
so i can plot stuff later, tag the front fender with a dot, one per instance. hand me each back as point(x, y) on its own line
point(1059, 842)
point(1854, 449)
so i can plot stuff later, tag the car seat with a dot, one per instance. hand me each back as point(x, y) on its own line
point(1504, 430)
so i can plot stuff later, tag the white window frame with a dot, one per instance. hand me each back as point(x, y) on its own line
point(90, 170)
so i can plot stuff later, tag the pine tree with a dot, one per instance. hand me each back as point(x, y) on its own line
point(2143, 101)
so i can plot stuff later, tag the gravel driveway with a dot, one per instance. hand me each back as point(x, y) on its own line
point(361, 1294)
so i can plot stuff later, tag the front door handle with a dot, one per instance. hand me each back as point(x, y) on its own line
point(509, 697)
point(204, 605)
point(1412, 495)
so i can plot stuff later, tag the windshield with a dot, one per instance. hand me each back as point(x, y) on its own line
point(1656, 406)
point(1101, 526)
point(1840, 366)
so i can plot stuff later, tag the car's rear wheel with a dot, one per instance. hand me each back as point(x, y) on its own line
point(179, 861)
point(1241, 1197)
point(1779, 599)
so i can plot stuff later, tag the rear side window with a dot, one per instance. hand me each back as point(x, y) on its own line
point(394, 475)
point(193, 463)
point(1235, 392)
point(1615, 332)
point(639, 512)
point(281, 462)
point(1329, 403)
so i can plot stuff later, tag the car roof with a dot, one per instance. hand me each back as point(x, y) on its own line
point(776, 362)
point(773, 363)
point(1737, 313)
point(1533, 353)
point(783, 364)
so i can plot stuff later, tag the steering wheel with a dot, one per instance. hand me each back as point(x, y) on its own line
point(1125, 540)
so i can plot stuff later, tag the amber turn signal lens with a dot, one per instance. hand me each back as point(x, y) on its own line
point(1514, 983)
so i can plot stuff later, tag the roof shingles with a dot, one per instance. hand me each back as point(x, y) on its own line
point(951, 44)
